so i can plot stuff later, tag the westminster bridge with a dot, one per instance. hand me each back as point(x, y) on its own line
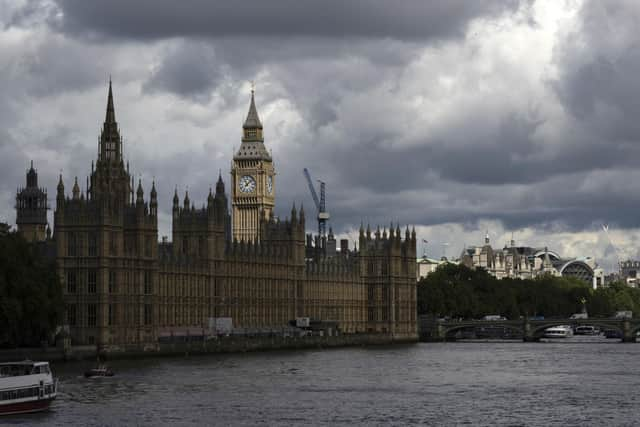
point(530, 330)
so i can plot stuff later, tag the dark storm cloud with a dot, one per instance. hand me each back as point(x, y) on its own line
point(60, 67)
point(603, 92)
point(599, 66)
point(543, 205)
point(187, 70)
point(147, 19)
point(349, 90)
point(314, 71)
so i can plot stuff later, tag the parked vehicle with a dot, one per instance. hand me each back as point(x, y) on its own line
point(579, 316)
point(624, 314)
point(494, 317)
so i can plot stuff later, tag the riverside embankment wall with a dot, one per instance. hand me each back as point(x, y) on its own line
point(219, 345)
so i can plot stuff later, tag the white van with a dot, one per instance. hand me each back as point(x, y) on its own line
point(579, 316)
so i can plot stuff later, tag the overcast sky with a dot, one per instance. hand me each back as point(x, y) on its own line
point(455, 116)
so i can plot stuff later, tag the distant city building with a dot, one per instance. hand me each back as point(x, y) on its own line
point(428, 265)
point(629, 270)
point(526, 262)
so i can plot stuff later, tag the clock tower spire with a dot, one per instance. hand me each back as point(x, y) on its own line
point(252, 178)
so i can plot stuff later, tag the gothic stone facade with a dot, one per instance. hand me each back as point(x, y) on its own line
point(122, 288)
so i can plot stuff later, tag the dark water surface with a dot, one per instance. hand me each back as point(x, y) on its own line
point(541, 384)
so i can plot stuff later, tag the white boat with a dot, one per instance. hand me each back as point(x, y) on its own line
point(26, 387)
point(558, 332)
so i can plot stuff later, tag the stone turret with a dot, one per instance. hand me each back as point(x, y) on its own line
point(210, 200)
point(60, 195)
point(76, 190)
point(31, 208)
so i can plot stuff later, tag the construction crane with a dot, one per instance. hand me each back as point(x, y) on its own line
point(323, 215)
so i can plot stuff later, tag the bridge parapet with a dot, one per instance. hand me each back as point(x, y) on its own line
point(531, 330)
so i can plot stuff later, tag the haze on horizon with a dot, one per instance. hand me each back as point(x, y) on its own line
point(457, 117)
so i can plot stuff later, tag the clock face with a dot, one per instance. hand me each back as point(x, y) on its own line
point(247, 184)
point(270, 184)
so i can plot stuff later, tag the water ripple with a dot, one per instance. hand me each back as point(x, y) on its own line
point(478, 384)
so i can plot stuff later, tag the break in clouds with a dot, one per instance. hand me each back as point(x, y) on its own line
point(455, 116)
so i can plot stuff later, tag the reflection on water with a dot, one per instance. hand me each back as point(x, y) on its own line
point(554, 383)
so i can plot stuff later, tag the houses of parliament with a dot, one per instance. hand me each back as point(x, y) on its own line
point(123, 288)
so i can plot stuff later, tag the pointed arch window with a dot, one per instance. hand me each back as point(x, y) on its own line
point(93, 244)
point(72, 245)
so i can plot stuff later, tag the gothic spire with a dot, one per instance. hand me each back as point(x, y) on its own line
point(186, 200)
point(139, 192)
point(110, 142)
point(220, 184)
point(252, 121)
point(111, 112)
point(60, 186)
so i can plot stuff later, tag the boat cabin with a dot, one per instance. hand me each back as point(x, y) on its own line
point(15, 369)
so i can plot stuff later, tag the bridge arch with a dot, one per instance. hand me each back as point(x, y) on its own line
point(450, 330)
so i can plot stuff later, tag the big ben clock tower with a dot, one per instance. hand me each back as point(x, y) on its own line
point(253, 180)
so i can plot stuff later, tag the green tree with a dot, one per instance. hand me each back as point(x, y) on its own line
point(31, 304)
point(455, 290)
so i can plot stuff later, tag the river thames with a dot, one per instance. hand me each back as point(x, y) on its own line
point(501, 383)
